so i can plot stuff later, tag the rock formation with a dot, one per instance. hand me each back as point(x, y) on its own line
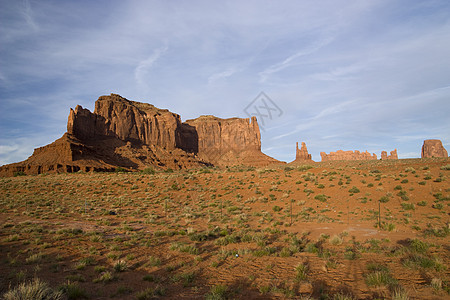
point(347, 155)
point(433, 148)
point(134, 135)
point(302, 153)
point(393, 155)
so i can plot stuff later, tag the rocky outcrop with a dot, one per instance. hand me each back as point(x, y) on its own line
point(347, 155)
point(433, 148)
point(226, 141)
point(126, 120)
point(393, 155)
point(302, 153)
point(134, 135)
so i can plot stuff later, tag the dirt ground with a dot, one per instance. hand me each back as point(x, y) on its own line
point(334, 230)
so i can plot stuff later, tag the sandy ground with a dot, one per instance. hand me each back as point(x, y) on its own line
point(282, 232)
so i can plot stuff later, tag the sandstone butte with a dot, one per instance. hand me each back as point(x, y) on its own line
point(134, 136)
point(433, 148)
point(302, 155)
point(393, 155)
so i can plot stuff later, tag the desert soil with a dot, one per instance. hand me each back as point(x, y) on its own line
point(308, 231)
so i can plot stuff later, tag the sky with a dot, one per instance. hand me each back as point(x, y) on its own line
point(339, 74)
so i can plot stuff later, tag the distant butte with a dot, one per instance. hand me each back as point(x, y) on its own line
point(347, 155)
point(134, 136)
point(302, 155)
point(433, 148)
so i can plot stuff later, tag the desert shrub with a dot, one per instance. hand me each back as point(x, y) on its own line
point(151, 293)
point(380, 278)
point(321, 197)
point(191, 249)
point(416, 261)
point(436, 284)
point(185, 278)
point(19, 173)
point(276, 208)
point(35, 290)
point(217, 292)
point(384, 199)
point(73, 291)
point(399, 294)
point(301, 271)
point(437, 232)
point(446, 167)
point(418, 246)
point(120, 266)
point(304, 168)
point(408, 206)
point(336, 240)
point(149, 171)
point(104, 277)
point(342, 296)
point(354, 190)
point(285, 252)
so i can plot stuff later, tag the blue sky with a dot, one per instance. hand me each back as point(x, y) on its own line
point(350, 75)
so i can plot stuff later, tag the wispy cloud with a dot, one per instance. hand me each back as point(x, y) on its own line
point(27, 13)
point(309, 49)
point(144, 66)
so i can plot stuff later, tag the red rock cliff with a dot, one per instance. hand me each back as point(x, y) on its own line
point(127, 120)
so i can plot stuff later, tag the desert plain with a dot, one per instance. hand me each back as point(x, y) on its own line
point(376, 229)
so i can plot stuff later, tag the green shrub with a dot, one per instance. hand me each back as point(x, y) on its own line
point(384, 199)
point(418, 246)
point(149, 171)
point(120, 266)
point(73, 291)
point(217, 292)
point(336, 240)
point(321, 197)
point(304, 168)
point(354, 190)
point(301, 271)
point(380, 278)
point(408, 206)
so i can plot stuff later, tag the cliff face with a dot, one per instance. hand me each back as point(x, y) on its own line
point(228, 141)
point(134, 135)
point(226, 134)
point(433, 148)
point(126, 120)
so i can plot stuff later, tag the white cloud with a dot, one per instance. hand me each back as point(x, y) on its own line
point(144, 66)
